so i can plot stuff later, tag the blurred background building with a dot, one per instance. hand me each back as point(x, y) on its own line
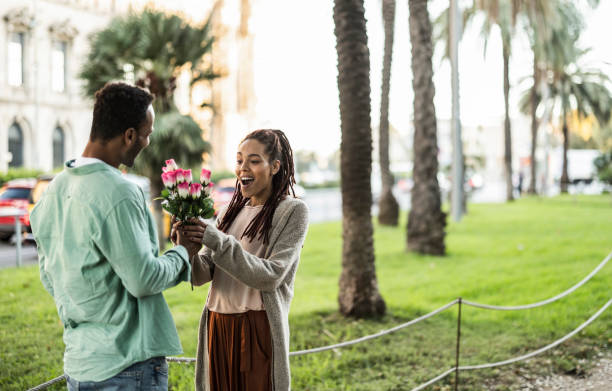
point(45, 118)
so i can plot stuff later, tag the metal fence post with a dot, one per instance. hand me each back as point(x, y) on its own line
point(18, 238)
point(458, 345)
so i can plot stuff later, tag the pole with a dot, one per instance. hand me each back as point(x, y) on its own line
point(18, 238)
point(458, 345)
point(457, 169)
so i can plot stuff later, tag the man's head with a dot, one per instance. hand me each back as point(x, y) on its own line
point(124, 116)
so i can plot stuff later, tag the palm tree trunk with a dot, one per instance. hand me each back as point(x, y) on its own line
point(534, 125)
point(388, 212)
point(358, 289)
point(426, 221)
point(564, 173)
point(507, 131)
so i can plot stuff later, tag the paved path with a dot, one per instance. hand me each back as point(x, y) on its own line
point(598, 379)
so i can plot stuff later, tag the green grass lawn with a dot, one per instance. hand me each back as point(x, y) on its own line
point(504, 254)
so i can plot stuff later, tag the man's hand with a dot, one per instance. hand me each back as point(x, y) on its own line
point(183, 240)
point(173, 231)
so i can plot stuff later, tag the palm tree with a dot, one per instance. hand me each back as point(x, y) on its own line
point(388, 212)
point(426, 221)
point(540, 15)
point(504, 15)
point(150, 49)
point(358, 294)
point(586, 92)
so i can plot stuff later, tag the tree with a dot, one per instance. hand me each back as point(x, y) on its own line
point(358, 294)
point(426, 221)
point(583, 90)
point(540, 15)
point(150, 49)
point(388, 208)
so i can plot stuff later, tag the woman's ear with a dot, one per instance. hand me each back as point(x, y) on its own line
point(275, 167)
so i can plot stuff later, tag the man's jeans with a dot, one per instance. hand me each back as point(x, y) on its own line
point(149, 375)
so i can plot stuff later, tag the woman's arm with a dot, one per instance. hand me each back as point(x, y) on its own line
point(259, 273)
point(202, 267)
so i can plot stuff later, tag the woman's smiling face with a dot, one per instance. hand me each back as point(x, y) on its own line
point(255, 171)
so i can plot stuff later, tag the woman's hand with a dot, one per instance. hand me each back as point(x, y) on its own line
point(194, 231)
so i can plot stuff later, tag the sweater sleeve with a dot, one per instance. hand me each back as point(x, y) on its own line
point(259, 273)
point(126, 243)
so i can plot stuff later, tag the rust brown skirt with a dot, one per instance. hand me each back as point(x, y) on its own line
point(240, 351)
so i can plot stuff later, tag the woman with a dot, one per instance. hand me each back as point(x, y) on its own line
point(251, 255)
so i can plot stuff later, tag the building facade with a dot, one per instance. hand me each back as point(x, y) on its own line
point(45, 118)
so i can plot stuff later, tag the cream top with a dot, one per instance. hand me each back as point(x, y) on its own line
point(227, 294)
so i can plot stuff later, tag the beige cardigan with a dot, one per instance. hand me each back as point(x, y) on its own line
point(273, 275)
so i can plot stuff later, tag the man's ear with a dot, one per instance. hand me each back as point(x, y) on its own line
point(129, 136)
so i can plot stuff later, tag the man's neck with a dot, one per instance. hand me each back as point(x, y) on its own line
point(104, 152)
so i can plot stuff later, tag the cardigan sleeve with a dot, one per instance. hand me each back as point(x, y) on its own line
point(259, 273)
point(202, 268)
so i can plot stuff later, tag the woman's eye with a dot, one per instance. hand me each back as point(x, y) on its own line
point(239, 162)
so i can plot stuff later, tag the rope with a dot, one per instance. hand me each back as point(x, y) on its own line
point(372, 336)
point(544, 302)
point(48, 383)
point(520, 358)
point(180, 359)
point(429, 315)
point(545, 348)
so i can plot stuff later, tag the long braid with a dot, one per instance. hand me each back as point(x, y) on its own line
point(277, 148)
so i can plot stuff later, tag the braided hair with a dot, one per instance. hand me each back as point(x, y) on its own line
point(277, 148)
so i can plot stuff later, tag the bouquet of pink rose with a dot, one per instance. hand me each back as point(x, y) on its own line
point(185, 199)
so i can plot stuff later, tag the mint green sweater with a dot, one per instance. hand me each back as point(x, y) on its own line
point(98, 258)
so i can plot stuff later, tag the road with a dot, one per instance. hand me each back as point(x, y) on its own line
point(8, 257)
point(324, 205)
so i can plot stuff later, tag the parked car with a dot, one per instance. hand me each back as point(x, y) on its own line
point(15, 194)
point(223, 192)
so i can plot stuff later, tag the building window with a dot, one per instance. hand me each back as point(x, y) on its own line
point(58, 147)
point(15, 59)
point(15, 142)
point(58, 66)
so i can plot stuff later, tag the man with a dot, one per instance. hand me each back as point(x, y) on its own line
point(98, 255)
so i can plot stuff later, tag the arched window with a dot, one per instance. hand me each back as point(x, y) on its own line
point(15, 143)
point(58, 147)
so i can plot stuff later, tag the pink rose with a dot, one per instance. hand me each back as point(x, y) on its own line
point(180, 176)
point(169, 179)
point(183, 189)
point(205, 177)
point(187, 175)
point(208, 189)
point(170, 165)
point(195, 190)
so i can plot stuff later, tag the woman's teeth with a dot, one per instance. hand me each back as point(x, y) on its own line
point(246, 180)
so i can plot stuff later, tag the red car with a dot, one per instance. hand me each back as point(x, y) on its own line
point(223, 192)
point(15, 194)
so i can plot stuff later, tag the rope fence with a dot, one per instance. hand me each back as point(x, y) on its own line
point(459, 301)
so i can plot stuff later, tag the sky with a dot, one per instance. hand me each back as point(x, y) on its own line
point(295, 70)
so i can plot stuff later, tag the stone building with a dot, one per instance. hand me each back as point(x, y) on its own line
point(44, 117)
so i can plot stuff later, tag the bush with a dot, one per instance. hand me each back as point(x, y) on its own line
point(216, 176)
point(15, 173)
point(603, 164)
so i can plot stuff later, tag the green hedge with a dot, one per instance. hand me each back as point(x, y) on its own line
point(15, 173)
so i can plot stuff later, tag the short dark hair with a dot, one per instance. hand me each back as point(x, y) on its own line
point(119, 106)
